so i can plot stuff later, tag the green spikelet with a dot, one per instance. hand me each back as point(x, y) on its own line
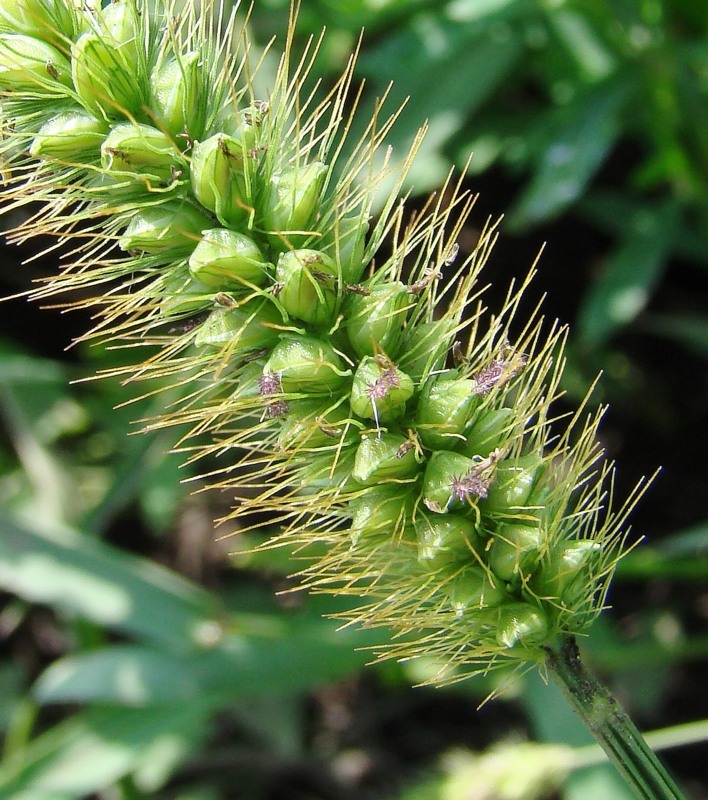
point(376, 409)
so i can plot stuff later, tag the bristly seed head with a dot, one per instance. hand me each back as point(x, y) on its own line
point(476, 465)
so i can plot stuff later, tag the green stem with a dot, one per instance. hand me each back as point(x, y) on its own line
point(609, 724)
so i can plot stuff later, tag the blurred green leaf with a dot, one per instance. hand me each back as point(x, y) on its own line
point(276, 656)
point(614, 652)
point(454, 66)
point(551, 718)
point(683, 556)
point(11, 686)
point(140, 467)
point(628, 275)
point(691, 542)
point(355, 14)
point(129, 675)
point(610, 210)
point(18, 366)
point(652, 562)
point(160, 496)
point(576, 139)
point(580, 43)
point(591, 783)
point(79, 575)
point(488, 12)
point(93, 749)
point(78, 466)
point(47, 485)
point(689, 330)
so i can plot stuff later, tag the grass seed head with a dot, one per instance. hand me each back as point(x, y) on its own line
point(368, 402)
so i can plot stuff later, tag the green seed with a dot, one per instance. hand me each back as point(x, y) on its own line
point(564, 574)
point(306, 364)
point(141, 150)
point(445, 405)
point(321, 476)
point(375, 320)
point(383, 511)
point(250, 125)
point(218, 179)
point(293, 195)
point(445, 539)
point(174, 100)
point(313, 424)
point(488, 432)
point(380, 391)
point(29, 17)
point(539, 508)
point(172, 228)
point(515, 551)
point(384, 457)
point(423, 348)
point(452, 481)
point(248, 387)
point(72, 18)
point(182, 295)
point(30, 65)
point(107, 64)
point(73, 137)
point(223, 259)
point(345, 243)
point(307, 280)
point(522, 624)
point(244, 327)
point(247, 395)
point(473, 591)
point(513, 483)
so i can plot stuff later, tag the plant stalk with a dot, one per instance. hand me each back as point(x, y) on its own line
point(609, 724)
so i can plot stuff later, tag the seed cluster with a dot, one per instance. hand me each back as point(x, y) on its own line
point(365, 401)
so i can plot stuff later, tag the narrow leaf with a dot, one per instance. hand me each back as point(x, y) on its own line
point(454, 66)
point(690, 330)
point(82, 576)
point(275, 657)
point(91, 751)
point(581, 135)
point(628, 276)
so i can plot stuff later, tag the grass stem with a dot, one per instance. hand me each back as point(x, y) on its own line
point(609, 724)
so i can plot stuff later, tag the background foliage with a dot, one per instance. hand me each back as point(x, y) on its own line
point(143, 658)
